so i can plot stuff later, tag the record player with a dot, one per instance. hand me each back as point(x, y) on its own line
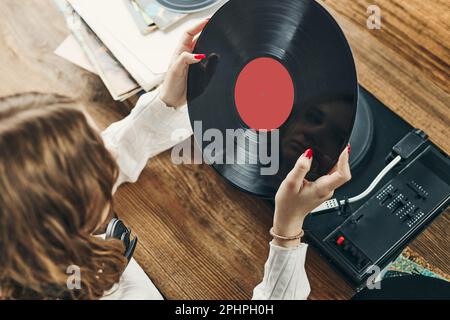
point(374, 229)
point(401, 180)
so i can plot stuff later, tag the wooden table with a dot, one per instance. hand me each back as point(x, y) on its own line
point(199, 237)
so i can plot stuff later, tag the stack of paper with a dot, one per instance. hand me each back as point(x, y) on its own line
point(126, 59)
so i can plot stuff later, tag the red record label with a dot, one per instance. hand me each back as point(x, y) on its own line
point(264, 94)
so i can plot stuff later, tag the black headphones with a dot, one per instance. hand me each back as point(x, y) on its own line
point(118, 230)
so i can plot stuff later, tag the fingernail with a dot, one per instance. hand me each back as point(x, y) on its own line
point(309, 153)
point(200, 56)
point(349, 148)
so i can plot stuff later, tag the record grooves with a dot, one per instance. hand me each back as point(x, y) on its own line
point(187, 6)
point(313, 102)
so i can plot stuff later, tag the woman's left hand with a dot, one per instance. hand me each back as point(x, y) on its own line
point(297, 197)
point(174, 88)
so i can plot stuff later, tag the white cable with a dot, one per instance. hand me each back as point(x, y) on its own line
point(334, 203)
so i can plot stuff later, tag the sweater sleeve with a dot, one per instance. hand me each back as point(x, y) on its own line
point(148, 130)
point(284, 275)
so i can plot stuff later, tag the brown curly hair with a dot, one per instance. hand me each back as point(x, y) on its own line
point(56, 179)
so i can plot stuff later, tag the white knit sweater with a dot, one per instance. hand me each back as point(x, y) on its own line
point(147, 131)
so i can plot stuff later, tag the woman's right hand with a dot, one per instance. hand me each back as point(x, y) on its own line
point(173, 90)
point(297, 197)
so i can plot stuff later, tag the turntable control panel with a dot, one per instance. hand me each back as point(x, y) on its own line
point(407, 210)
point(396, 211)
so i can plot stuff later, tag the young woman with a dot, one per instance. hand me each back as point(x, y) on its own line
point(58, 175)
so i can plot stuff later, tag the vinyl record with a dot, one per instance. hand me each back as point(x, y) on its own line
point(279, 78)
point(187, 6)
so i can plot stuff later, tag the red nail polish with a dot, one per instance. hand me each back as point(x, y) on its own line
point(200, 56)
point(349, 148)
point(309, 153)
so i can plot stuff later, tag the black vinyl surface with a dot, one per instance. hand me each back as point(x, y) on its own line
point(304, 37)
point(187, 6)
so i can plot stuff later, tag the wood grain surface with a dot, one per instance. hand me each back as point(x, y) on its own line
point(199, 237)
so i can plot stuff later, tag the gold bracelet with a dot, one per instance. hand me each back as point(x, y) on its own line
point(298, 236)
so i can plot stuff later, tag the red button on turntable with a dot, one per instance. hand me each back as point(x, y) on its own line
point(264, 94)
point(340, 240)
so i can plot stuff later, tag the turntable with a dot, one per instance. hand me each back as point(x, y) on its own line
point(292, 54)
point(373, 230)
